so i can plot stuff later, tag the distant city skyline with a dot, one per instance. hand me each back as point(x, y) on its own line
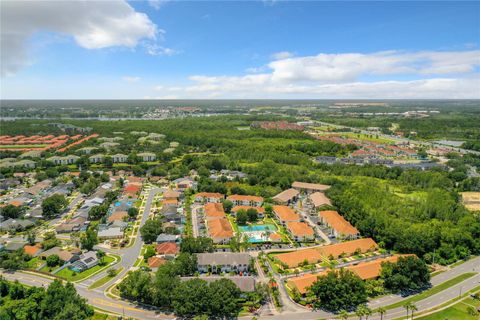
point(234, 50)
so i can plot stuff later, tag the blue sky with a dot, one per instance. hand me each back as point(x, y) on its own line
point(248, 49)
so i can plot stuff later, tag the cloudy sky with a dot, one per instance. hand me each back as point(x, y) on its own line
point(250, 49)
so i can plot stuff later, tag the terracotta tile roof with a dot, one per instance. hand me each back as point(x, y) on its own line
point(275, 236)
point(215, 195)
point(167, 248)
point(132, 188)
point(365, 270)
point(214, 210)
point(371, 269)
point(220, 228)
point(171, 194)
point(348, 248)
point(119, 215)
point(300, 229)
point(337, 222)
point(319, 199)
point(313, 255)
point(285, 213)
point(310, 186)
point(294, 258)
point(155, 262)
point(239, 197)
point(32, 250)
point(170, 201)
point(259, 209)
point(16, 203)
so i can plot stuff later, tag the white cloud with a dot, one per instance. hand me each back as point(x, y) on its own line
point(431, 74)
point(130, 79)
point(157, 4)
point(282, 55)
point(157, 50)
point(93, 25)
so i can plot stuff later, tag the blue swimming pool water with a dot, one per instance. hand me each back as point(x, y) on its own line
point(262, 227)
point(119, 203)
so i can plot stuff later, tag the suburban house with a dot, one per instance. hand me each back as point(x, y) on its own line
point(155, 262)
point(110, 233)
point(171, 195)
point(318, 199)
point(109, 145)
point(70, 159)
point(33, 251)
point(338, 226)
point(300, 231)
point(223, 262)
point(286, 197)
point(207, 197)
point(184, 183)
point(163, 237)
point(241, 200)
point(213, 211)
point(260, 210)
point(285, 214)
point(64, 255)
point(220, 230)
point(147, 156)
point(167, 249)
point(117, 216)
point(97, 158)
point(86, 261)
point(309, 187)
point(119, 158)
point(87, 150)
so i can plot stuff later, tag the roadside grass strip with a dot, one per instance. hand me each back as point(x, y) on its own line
point(430, 292)
point(100, 282)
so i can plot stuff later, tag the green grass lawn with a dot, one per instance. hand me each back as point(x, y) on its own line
point(457, 311)
point(70, 275)
point(100, 282)
point(34, 263)
point(434, 290)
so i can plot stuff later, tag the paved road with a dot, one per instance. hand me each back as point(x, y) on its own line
point(129, 255)
point(291, 310)
point(473, 265)
point(194, 209)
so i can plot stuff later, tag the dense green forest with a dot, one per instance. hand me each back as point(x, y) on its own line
point(57, 302)
point(407, 211)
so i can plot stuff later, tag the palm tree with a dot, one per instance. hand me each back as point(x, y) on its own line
point(407, 307)
point(360, 312)
point(413, 308)
point(367, 312)
point(343, 314)
point(382, 311)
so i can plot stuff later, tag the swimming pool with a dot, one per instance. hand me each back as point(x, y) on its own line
point(119, 203)
point(257, 227)
point(258, 233)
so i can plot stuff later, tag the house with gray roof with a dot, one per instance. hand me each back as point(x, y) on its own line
point(217, 262)
point(86, 261)
point(16, 224)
